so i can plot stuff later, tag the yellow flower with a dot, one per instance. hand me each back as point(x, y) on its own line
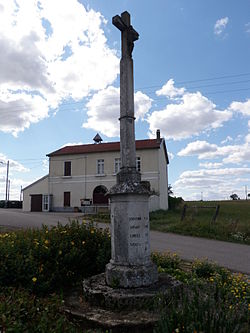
point(60, 252)
point(83, 242)
point(34, 279)
point(46, 231)
point(73, 243)
point(46, 242)
point(92, 231)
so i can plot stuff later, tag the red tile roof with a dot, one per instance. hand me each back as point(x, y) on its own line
point(105, 147)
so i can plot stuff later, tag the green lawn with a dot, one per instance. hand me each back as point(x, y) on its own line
point(232, 223)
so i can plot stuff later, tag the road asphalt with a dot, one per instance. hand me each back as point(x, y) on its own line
point(235, 257)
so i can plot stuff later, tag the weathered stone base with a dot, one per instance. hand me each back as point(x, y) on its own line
point(92, 317)
point(121, 310)
point(118, 276)
point(97, 292)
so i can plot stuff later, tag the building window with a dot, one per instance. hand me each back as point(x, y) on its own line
point(45, 202)
point(117, 165)
point(100, 167)
point(66, 201)
point(67, 168)
point(138, 164)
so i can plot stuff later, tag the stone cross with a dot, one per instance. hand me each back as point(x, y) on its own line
point(130, 265)
point(127, 133)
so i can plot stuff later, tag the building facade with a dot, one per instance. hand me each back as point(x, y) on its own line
point(81, 175)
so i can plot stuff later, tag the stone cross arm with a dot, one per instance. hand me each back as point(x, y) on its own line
point(129, 35)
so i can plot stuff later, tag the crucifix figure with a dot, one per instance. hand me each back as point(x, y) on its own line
point(129, 35)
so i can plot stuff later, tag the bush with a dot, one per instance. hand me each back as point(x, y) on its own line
point(22, 312)
point(52, 259)
point(212, 299)
point(174, 203)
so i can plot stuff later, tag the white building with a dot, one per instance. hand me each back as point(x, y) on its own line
point(81, 175)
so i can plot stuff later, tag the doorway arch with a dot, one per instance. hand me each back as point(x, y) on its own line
point(99, 197)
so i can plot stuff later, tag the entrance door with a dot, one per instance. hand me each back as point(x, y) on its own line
point(66, 201)
point(99, 197)
point(36, 203)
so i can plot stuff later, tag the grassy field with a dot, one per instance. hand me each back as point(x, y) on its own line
point(232, 223)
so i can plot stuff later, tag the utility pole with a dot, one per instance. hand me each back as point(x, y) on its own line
point(7, 185)
point(246, 191)
point(9, 190)
point(21, 193)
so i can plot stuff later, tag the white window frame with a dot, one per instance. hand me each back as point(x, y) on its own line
point(117, 165)
point(100, 166)
point(138, 164)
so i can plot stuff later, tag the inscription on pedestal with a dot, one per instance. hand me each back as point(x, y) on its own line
point(138, 235)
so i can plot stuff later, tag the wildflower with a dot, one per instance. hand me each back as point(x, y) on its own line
point(60, 252)
point(34, 279)
point(73, 243)
point(92, 231)
point(46, 231)
point(46, 241)
point(83, 242)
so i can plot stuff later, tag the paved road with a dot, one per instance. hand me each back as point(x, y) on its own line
point(233, 256)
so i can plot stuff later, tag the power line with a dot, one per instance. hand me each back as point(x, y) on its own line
point(202, 80)
point(70, 104)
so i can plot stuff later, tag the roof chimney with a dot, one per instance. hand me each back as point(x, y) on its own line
point(158, 136)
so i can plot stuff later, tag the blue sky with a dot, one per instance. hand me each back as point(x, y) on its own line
point(59, 84)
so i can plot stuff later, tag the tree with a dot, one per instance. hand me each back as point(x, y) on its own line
point(170, 191)
point(234, 196)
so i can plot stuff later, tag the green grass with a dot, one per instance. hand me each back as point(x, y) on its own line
point(232, 223)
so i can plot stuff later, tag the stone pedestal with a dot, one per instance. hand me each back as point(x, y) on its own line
point(130, 265)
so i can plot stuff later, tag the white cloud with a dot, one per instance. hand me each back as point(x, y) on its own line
point(104, 110)
point(170, 91)
point(15, 168)
point(220, 25)
point(241, 107)
point(170, 155)
point(228, 139)
point(234, 154)
point(214, 183)
point(211, 165)
point(197, 148)
point(72, 144)
point(13, 165)
point(50, 51)
point(247, 26)
point(190, 115)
